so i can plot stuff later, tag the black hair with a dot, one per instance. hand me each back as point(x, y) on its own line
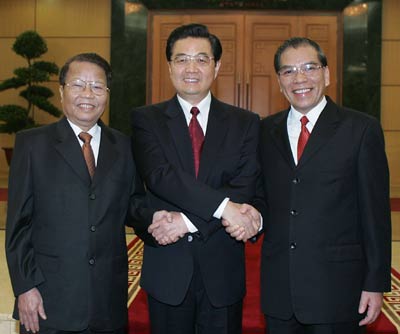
point(93, 58)
point(194, 30)
point(294, 43)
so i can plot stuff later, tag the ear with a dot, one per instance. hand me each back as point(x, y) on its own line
point(279, 82)
point(169, 67)
point(326, 76)
point(61, 91)
point(217, 67)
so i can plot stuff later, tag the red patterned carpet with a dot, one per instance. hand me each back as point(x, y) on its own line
point(253, 320)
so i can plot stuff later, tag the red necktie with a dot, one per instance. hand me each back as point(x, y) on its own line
point(304, 135)
point(88, 152)
point(197, 137)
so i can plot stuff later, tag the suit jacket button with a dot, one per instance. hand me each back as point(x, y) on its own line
point(92, 196)
point(296, 180)
point(190, 238)
point(294, 212)
point(93, 228)
point(92, 261)
point(293, 245)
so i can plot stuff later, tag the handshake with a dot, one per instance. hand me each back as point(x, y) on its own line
point(241, 221)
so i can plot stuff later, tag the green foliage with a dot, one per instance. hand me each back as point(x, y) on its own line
point(14, 118)
point(29, 45)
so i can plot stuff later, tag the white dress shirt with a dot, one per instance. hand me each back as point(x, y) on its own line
point(294, 124)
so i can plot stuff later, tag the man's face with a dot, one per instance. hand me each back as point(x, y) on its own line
point(83, 108)
point(192, 80)
point(303, 90)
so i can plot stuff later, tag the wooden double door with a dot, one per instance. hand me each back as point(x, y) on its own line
point(249, 40)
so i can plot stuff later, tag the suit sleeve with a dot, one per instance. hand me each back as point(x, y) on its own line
point(140, 216)
point(374, 208)
point(24, 271)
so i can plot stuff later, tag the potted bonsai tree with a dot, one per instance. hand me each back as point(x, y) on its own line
point(29, 45)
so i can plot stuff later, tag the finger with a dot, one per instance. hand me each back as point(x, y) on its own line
point(244, 208)
point(241, 237)
point(152, 227)
point(232, 229)
point(33, 322)
point(366, 321)
point(225, 222)
point(239, 232)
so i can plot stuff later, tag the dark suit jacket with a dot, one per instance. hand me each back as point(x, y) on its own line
point(65, 234)
point(327, 221)
point(228, 168)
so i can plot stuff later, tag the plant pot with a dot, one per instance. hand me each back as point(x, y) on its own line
point(8, 151)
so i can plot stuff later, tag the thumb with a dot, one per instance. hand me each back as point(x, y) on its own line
point(41, 312)
point(244, 208)
point(363, 306)
point(169, 217)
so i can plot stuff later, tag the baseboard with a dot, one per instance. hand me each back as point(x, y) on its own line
point(8, 325)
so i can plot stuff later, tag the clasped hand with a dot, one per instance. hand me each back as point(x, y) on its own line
point(167, 227)
point(241, 221)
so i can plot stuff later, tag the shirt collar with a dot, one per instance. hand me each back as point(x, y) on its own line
point(94, 131)
point(203, 106)
point(312, 115)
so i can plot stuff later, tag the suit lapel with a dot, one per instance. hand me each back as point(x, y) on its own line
point(179, 132)
point(324, 129)
point(217, 127)
point(280, 136)
point(67, 145)
point(108, 154)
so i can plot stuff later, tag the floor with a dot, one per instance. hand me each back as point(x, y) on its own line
point(9, 326)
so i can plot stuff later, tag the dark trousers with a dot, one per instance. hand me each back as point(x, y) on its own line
point(196, 314)
point(293, 326)
point(44, 330)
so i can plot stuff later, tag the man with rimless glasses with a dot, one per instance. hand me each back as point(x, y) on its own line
point(325, 205)
point(72, 189)
point(197, 156)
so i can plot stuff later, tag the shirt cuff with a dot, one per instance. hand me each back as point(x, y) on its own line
point(189, 224)
point(220, 210)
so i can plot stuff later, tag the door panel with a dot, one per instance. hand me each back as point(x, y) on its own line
point(247, 77)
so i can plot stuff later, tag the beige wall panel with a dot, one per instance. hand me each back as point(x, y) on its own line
point(390, 117)
point(9, 59)
point(6, 140)
point(60, 49)
point(390, 63)
point(11, 96)
point(16, 16)
point(392, 139)
point(74, 18)
point(390, 19)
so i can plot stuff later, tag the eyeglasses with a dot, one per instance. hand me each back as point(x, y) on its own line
point(79, 86)
point(308, 70)
point(200, 60)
